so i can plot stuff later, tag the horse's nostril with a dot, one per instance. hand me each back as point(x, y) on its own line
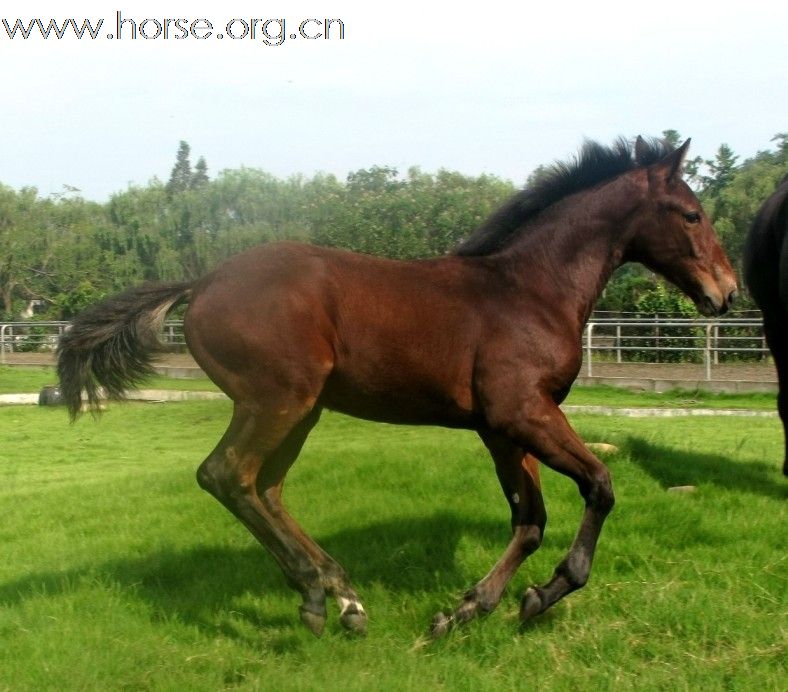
point(732, 296)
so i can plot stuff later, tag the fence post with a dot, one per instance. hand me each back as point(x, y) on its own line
point(2, 343)
point(707, 351)
point(656, 338)
point(618, 343)
point(589, 333)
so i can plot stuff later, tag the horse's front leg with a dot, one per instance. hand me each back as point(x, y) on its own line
point(544, 429)
point(519, 476)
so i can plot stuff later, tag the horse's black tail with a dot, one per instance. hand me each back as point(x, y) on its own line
point(111, 345)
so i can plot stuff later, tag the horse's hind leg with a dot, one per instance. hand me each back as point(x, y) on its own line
point(776, 332)
point(230, 473)
point(333, 578)
point(518, 474)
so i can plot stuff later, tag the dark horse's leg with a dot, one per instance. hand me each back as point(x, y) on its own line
point(245, 473)
point(518, 474)
point(776, 332)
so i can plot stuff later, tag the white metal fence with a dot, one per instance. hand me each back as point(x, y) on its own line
point(29, 336)
point(605, 339)
point(660, 339)
point(43, 337)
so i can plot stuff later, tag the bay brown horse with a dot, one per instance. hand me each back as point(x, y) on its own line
point(766, 275)
point(487, 338)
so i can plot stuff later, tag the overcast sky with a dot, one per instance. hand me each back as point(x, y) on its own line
point(484, 87)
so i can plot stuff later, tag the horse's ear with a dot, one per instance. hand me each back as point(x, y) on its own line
point(671, 165)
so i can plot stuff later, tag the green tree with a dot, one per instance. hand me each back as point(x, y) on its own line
point(420, 215)
point(661, 299)
point(20, 245)
point(672, 137)
point(732, 206)
point(781, 140)
point(722, 170)
point(69, 251)
point(181, 175)
point(139, 217)
point(622, 292)
point(73, 301)
point(200, 175)
point(376, 179)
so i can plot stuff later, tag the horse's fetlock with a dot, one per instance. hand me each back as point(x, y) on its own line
point(532, 539)
point(575, 570)
point(599, 492)
point(307, 580)
point(471, 595)
point(476, 601)
point(207, 478)
point(485, 605)
point(334, 578)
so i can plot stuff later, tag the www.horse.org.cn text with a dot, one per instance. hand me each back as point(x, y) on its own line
point(269, 32)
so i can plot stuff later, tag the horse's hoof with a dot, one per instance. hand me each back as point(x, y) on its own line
point(531, 605)
point(441, 624)
point(354, 621)
point(316, 622)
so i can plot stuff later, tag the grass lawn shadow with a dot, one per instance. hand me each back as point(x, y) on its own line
point(201, 585)
point(672, 467)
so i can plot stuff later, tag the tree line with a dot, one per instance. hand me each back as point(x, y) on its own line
point(65, 252)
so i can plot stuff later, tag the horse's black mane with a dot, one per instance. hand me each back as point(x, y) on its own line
point(594, 164)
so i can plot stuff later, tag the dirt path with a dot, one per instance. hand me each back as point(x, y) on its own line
point(727, 372)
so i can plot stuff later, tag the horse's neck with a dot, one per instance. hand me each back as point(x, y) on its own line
point(574, 248)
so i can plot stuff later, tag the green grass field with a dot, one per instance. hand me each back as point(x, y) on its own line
point(610, 396)
point(118, 572)
point(23, 378)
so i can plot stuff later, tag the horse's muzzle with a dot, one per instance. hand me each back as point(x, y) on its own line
point(715, 306)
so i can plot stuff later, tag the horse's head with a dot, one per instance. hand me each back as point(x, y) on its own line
point(674, 237)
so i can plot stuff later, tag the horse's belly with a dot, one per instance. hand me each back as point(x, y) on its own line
point(412, 400)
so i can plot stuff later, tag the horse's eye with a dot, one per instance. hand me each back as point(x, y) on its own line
point(692, 217)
